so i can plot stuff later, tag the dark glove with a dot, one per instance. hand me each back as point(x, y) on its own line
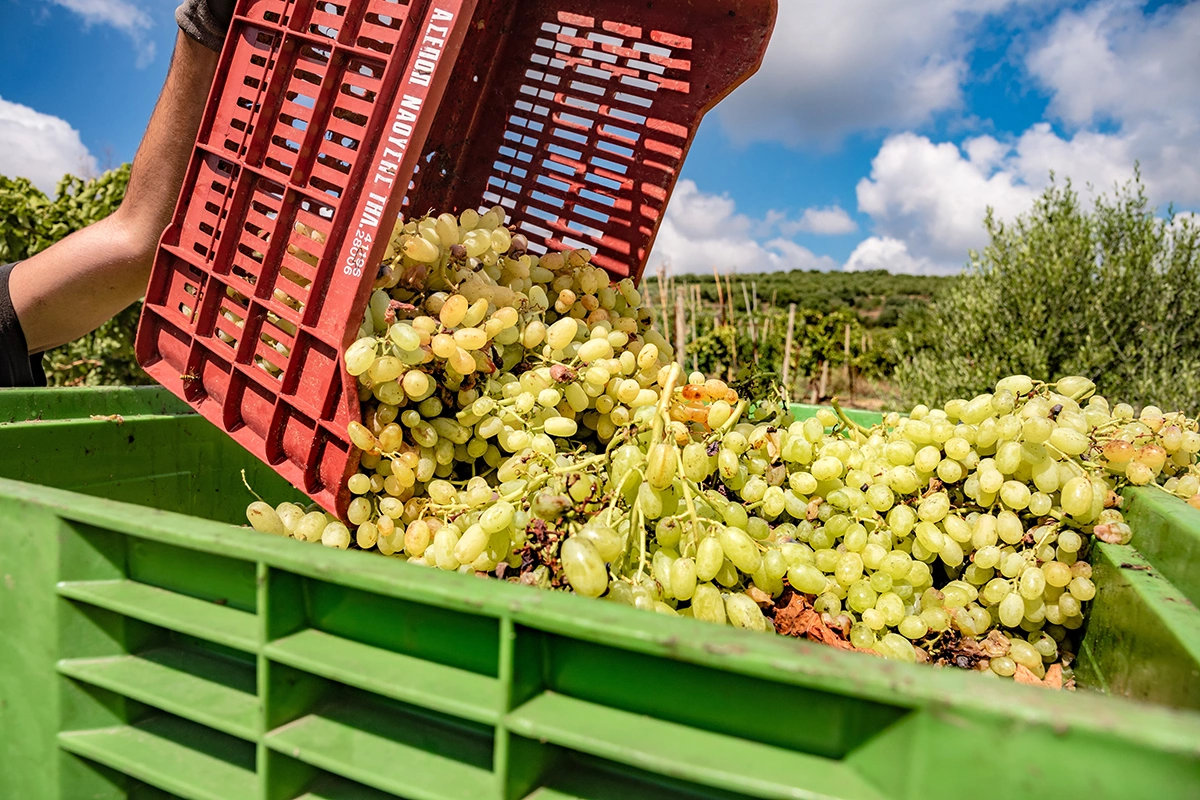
point(206, 21)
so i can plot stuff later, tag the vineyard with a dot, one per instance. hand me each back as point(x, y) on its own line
point(817, 334)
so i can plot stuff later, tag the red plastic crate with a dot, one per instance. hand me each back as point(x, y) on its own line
point(328, 118)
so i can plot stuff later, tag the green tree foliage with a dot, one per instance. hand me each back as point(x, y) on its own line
point(1112, 293)
point(29, 223)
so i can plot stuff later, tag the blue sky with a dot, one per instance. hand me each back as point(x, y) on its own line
point(875, 135)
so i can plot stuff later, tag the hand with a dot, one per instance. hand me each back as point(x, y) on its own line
point(206, 21)
point(222, 11)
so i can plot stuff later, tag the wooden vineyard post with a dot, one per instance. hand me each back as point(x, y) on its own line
point(787, 347)
point(849, 371)
point(750, 316)
point(755, 310)
point(720, 297)
point(680, 329)
point(770, 313)
point(694, 301)
point(729, 297)
point(662, 300)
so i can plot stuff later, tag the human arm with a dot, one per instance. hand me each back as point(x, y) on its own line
point(75, 285)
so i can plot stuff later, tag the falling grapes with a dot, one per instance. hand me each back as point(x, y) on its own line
point(521, 419)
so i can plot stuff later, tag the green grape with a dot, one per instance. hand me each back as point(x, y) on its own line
point(584, 568)
point(683, 577)
point(1003, 666)
point(742, 612)
point(1024, 654)
point(1069, 442)
point(1032, 583)
point(660, 568)
point(608, 543)
point(827, 603)
point(660, 465)
point(938, 619)
point(758, 528)
point(335, 534)
point(861, 636)
point(264, 519)
point(849, 569)
point(471, 544)
point(934, 507)
point(727, 575)
point(1082, 589)
point(901, 520)
point(930, 537)
point(807, 579)
point(707, 604)
point(913, 627)
point(311, 526)
point(897, 647)
point(735, 516)
point(860, 596)
point(709, 558)
point(1012, 609)
point(740, 549)
point(1076, 498)
point(516, 393)
point(290, 515)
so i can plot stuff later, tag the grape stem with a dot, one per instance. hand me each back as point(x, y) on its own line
point(849, 423)
point(636, 516)
point(687, 491)
point(246, 483)
point(617, 491)
point(583, 464)
point(660, 414)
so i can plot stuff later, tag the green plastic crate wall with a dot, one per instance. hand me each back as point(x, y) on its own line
point(149, 649)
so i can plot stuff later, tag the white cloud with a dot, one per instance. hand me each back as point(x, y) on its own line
point(837, 68)
point(700, 230)
point(123, 15)
point(1123, 83)
point(884, 252)
point(1126, 86)
point(828, 221)
point(1112, 63)
point(40, 147)
point(932, 198)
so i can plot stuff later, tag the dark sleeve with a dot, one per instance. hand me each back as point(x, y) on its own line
point(17, 367)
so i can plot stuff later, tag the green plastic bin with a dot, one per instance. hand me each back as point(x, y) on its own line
point(149, 649)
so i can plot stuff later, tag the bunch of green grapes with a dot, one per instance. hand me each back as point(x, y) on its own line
point(1186, 487)
point(474, 356)
point(521, 419)
point(974, 517)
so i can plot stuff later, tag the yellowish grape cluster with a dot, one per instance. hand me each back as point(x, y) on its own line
point(476, 354)
point(970, 518)
point(521, 419)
